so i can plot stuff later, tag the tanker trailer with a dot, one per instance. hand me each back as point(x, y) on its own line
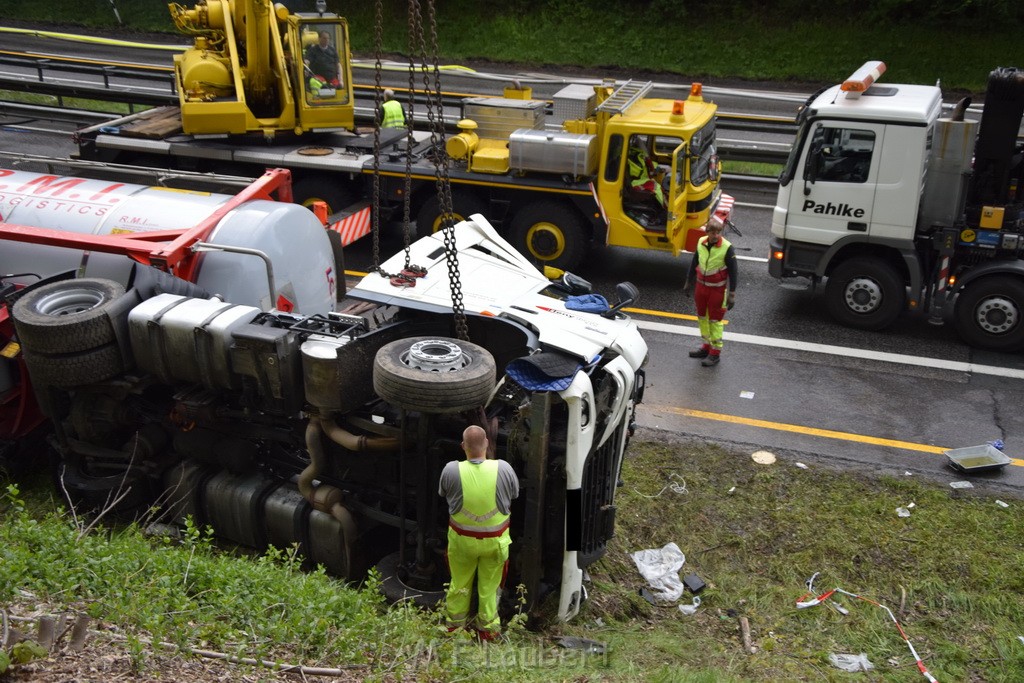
point(255, 244)
point(51, 227)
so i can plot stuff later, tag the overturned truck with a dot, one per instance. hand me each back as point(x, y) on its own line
point(328, 429)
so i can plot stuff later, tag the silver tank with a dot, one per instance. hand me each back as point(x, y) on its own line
point(295, 242)
point(553, 152)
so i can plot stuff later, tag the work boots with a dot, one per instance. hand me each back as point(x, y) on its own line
point(702, 352)
point(711, 360)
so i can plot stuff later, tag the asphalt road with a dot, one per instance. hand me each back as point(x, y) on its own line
point(791, 381)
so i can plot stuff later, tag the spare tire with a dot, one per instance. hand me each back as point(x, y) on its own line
point(434, 374)
point(69, 316)
point(68, 371)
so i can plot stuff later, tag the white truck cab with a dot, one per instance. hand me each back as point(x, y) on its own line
point(880, 195)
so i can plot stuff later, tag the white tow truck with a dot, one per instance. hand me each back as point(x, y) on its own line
point(903, 205)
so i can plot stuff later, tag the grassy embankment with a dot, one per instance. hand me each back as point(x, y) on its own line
point(950, 572)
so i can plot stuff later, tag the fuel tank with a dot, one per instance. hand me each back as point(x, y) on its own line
point(291, 237)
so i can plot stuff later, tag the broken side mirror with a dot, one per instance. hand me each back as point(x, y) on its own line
point(627, 293)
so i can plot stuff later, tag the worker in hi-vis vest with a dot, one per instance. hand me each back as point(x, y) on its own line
point(714, 271)
point(643, 173)
point(480, 492)
point(393, 117)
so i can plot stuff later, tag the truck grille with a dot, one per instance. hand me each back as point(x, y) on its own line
point(597, 513)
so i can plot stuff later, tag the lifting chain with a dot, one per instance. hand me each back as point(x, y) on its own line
point(414, 29)
point(435, 119)
point(435, 116)
point(378, 37)
point(406, 278)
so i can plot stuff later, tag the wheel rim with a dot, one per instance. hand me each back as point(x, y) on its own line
point(69, 302)
point(862, 295)
point(545, 241)
point(997, 315)
point(438, 222)
point(435, 355)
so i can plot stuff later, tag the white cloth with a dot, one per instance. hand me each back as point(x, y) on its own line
point(660, 566)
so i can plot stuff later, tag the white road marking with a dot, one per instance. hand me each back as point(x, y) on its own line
point(848, 352)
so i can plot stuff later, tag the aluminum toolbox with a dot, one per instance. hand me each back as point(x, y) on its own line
point(553, 152)
point(497, 117)
point(574, 101)
point(973, 459)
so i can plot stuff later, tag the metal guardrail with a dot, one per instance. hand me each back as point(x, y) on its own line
point(67, 79)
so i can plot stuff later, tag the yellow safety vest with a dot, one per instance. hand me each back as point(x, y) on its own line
point(479, 516)
point(711, 268)
point(394, 117)
point(638, 172)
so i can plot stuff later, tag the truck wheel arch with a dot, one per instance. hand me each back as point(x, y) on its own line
point(464, 204)
point(550, 233)
point(330, 190)
point(901, 255)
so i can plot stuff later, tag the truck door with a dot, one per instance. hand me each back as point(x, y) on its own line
point(677, 198)
point(833, 192)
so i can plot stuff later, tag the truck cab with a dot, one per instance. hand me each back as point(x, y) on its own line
point(903, 206)
point(678, 137)
point(249, 71)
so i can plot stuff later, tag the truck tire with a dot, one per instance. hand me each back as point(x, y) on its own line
point(865, 293)
point(989, 313)
point(331, 192)
point(394, 588)
point(67, 316)
point(74, 370)
point(434, 375)
point(464, 205)
point(549, 234)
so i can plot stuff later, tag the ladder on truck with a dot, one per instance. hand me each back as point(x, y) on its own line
point(625, 96)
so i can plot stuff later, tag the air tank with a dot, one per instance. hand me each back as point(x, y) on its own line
point(294, 241)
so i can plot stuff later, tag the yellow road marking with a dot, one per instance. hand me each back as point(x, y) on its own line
point(811, 431)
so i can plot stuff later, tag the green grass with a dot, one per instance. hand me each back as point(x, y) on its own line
point(736, 41)
point(751, 168)
point(950, 572)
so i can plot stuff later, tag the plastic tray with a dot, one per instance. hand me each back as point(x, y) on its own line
point(975, 459)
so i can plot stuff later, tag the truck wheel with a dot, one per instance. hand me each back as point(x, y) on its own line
point(394, 588)
point(67, 316)
point(550, 234)
point(434, 374)
point(331, 192)
point(75, 370)
point(989, 314)
point(464, 205)
point(865, 293)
